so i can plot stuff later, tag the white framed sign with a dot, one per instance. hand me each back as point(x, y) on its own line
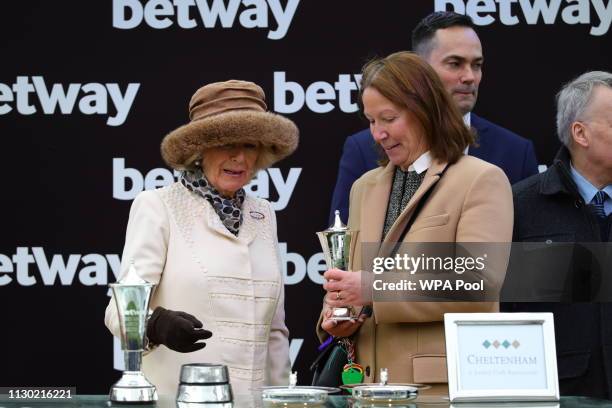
point(501, 357)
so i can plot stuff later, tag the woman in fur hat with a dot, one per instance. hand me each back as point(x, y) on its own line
point(211, 249)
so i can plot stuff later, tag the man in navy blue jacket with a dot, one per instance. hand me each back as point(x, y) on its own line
point(450, 44)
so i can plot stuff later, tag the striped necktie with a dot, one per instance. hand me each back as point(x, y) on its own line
point(598, 203)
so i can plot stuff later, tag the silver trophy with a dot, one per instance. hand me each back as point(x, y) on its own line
point(132, 295)
point(336, 244)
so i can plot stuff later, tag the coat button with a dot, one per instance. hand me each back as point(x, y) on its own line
point(367, 371)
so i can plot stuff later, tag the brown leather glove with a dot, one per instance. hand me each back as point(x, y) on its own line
point(179, 331)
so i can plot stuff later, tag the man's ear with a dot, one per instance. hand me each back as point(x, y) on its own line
point(579, 134)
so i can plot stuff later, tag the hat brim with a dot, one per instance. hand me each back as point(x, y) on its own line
point(276, 134)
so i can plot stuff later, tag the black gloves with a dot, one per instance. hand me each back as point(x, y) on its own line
point(178, 331)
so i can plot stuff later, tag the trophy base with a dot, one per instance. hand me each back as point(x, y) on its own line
point(342, 314)
point(342, 319)
point(133, 387)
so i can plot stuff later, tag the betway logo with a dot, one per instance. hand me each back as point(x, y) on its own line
point(32, 266)
point(89, 269)
point(93, 98)
point(572, 11)
point(128, 182)
point(319, 97)
point(159, 14)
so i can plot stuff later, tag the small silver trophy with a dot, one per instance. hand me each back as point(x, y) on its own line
point(336, 244)
point(132, 295)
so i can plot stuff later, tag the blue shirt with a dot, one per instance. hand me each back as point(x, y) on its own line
point(587, 190)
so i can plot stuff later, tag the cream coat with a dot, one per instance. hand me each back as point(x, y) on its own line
point(471, 203)
point(233, 285)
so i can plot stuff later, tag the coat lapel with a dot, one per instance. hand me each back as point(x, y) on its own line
point(213, 221)
point(431, 177)
point(374, 205)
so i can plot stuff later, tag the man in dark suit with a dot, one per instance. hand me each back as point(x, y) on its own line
point(449, 43)
point(571, 203)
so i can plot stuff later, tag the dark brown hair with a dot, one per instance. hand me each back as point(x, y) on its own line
point(410, 83)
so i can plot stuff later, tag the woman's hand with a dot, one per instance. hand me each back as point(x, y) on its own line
point(340, 328)
point(343, 288)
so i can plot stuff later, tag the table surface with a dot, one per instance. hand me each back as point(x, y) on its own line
point(101, 401)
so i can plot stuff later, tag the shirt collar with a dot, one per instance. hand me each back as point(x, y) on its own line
point(585, 188)
point(421, 164)
point(424, 161)
point(467, 119)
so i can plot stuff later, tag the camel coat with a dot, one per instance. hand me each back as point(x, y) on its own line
point(233, 285)
point(472, 202)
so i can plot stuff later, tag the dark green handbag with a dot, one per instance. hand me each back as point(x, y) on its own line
point(328, 366)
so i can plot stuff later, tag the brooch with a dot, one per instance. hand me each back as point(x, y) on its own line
point(257, 215)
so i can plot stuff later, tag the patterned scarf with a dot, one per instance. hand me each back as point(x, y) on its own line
point(405, 184)
point(229, 210)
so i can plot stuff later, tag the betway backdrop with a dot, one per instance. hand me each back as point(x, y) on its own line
point(89, 88)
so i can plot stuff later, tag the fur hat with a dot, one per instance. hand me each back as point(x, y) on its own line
point(230, 112)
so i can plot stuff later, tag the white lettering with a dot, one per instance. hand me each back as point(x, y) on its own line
point(281, 87)
point(290, 97)
point(316, 267)
point(182, 14)
point(49, 273)
point(6, 266)
point(320, 91)
point(96, 102)
point(577, 14)
point(157, 14)
point(604, 13)
point(22, 260)
point(123, 103)
point(22, 88)
point(474, 8)
point(93, 101)
point(6, 95)
point(128, 182)
point(218, 11)
point(96, 270)
point(119, 11)
point(49, 101)
point(505, 12)
point(301, 268)
point(283, 17)
point(572, 12)
point(345, 86)
point(294, 349)
point(159, 8)
point(548, 11)
point(256, 16)
point(283, 187)
point(299, 265)
point(120, 175)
